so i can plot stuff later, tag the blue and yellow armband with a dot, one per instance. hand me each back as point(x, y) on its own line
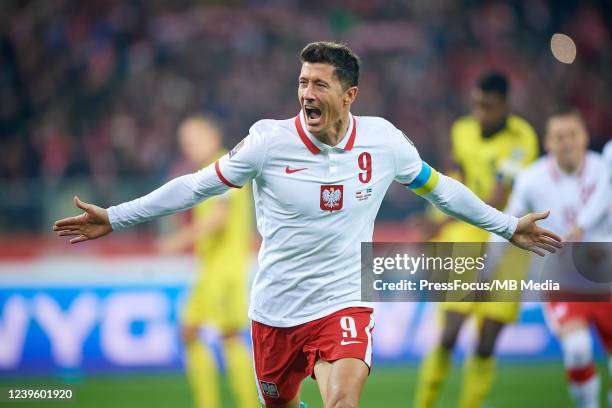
point(425, 181)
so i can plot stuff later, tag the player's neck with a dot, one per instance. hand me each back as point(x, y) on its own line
point(570, 168)
point(489, 132)
point(336, 133)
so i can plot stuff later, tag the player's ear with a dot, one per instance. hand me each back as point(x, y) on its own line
point(350, 95)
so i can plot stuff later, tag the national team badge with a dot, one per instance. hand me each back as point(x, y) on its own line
point(332, 197)
point(269, 389)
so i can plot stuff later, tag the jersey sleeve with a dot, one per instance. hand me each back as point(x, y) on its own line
point(245, 161)
point(406, 157)
point(456, 200)
point(241, 164)
point(176, 195)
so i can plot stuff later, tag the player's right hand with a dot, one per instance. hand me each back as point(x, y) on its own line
point(92, 224)
point(531, 237)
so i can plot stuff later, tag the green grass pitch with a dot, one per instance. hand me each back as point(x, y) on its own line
point(528, 384)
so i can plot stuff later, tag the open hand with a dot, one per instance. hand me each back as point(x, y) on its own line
point(92, 224)
point(532, 238)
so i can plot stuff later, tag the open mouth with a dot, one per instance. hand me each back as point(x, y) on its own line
point(312, 113)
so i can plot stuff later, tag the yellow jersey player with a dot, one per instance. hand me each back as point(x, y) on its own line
point(490, 146)
point(220, 233)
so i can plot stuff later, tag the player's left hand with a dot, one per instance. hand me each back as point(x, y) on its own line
point(532, 238)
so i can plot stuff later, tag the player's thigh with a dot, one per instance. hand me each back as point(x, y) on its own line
point(571, 317)
point(573, 325)
point(453, 319)
point(193, 314)
point(189, 332)
point(341, 382)
point(489, 332)
point(322, 370)
point(566, 317)
point(576, 344)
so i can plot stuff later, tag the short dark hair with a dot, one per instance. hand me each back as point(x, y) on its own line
point(344, 60)
point(566, 110)
point(494, 82)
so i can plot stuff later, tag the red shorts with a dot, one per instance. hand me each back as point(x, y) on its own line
point(596, 313)
point(285, 356)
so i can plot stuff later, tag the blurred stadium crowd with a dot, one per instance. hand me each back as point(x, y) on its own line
point(95, 90)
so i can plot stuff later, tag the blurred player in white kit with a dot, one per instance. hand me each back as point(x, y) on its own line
point(574, 184)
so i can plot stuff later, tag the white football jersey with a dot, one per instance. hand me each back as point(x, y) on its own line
point(315, 204)
point(580, 198)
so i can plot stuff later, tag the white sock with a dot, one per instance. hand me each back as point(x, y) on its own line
point(586, 394)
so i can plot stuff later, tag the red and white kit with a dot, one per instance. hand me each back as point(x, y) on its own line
point(314, 206)
point(581, 198)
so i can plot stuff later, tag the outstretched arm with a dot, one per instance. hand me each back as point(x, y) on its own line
point(243, 163)
point(176, 195)
point(455, 199)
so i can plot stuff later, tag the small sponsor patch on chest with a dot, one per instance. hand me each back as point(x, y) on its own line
point(362, 195)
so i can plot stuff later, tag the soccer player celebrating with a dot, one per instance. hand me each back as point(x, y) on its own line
point(574, 184)
point(318, 181)
point(490, 146)
point(221, 234)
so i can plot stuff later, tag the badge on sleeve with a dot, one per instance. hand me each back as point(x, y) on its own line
point(236, 148)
